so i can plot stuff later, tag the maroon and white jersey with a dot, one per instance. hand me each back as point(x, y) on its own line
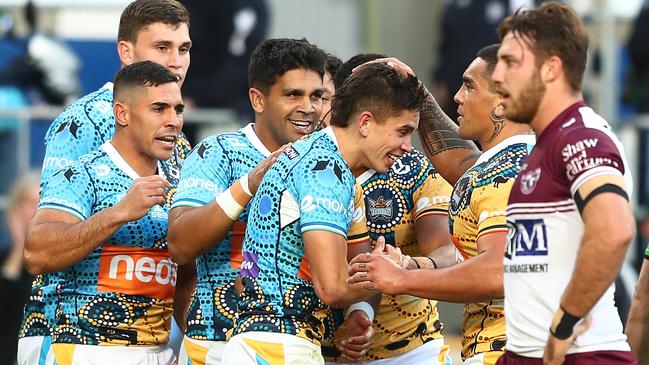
point(546, 228)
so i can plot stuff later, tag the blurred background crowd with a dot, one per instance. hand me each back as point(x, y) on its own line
point(53, 51)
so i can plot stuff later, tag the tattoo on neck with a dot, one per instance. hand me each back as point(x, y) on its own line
point(499, 124)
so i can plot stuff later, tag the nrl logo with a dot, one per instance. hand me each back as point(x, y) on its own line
point(380, 208)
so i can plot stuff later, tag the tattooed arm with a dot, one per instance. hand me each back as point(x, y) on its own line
point(450, 154)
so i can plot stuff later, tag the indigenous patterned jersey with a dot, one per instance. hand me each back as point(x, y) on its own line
point(394, 200)
point(214, 165)
point(309, 188)
point(546, 230)
point(122, 293)
point(478, 208)
point(82, 127)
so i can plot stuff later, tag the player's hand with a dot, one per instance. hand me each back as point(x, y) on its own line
point(393, 62)
point(394, 253)
point(257, 174)
point(377, 272)
point(143, 194)
point(357, 339)
point(556, 349)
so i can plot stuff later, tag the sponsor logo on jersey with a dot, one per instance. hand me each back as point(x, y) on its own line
point(380, 209)
point(56, 162)
point(139, 271)
point(358, 215)
point(249, 267)
point(291, 153)
point(235, 142)
point(63, 202)
point(527, 237)
point(104, 107)
point(529, 180)
point(200, 184)
point(580, 147)
point(310, 203)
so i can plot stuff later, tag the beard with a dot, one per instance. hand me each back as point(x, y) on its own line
point(524, 109)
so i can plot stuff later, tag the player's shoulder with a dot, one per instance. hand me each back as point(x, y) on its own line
point(97, 104)
point(222, 142)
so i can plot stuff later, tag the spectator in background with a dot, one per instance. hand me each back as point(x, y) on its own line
point(14, 280)
point(467, 26)
point(636, 92)
point(224, 33)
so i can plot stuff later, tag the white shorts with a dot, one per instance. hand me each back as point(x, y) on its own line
point(71, 354)
point(252, 348)
point(433, 353)
point(485, 358)
point(33, 350)
point(199, 352)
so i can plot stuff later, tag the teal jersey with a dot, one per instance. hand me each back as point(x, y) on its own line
point(214, 165)
point(121, 293)
point(309, 188)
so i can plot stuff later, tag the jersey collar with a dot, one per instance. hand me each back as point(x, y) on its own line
point(249, 132)
point(121, 163)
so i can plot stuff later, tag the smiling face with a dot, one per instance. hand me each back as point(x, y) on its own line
point(293, 105)
point(165, 44)
point(518, 80)
point(155, 119)
point(389, 139)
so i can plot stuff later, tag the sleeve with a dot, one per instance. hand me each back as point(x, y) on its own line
point(586, 153)
point(325, 193)
point(71, 135)
point(70, 190)
point(489, 204)
point(205, 175)
point(432, 196)
point(357, 232)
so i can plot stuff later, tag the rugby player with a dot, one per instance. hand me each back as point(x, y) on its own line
point(102, 223)
point(569, 214)
point(408, 206)
point(332, 65)
point(156, 30)
point(301, 212)
point(209, 214)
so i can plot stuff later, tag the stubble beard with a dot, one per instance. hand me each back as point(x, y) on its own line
point(526, 107)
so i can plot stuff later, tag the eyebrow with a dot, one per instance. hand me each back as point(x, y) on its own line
point(169, 43)
point(467, 80)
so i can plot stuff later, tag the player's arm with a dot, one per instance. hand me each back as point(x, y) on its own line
point(57, 239)
point(327, 255)
point(609, 227)
point(476, 279)
point(433, 239)
point(194, 230)
point(637, 326)
point(185, 285)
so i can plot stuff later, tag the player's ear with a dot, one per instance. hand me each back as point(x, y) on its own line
point(256, 100)
point(363, 122)
point(125, 52)
point(120, 111)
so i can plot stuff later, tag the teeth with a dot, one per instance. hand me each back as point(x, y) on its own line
point(300, 123)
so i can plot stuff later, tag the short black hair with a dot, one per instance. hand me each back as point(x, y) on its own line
point(345, 70)
point(141, 74)
point(332, 65)
point(377, 88)
point(489, 54)
point(273, 57)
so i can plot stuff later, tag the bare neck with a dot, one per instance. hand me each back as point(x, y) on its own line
point(348, 145)
point(265, 136)
point(509, 129)
point(142, 164)
point(553, 104)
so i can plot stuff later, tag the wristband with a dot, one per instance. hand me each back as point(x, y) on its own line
point(362, 306)
point(229, 205)
point(424, 262)
point(244, 185)
point(562, 324)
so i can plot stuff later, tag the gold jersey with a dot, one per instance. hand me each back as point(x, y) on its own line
point(477, 208)
point(394, 201)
